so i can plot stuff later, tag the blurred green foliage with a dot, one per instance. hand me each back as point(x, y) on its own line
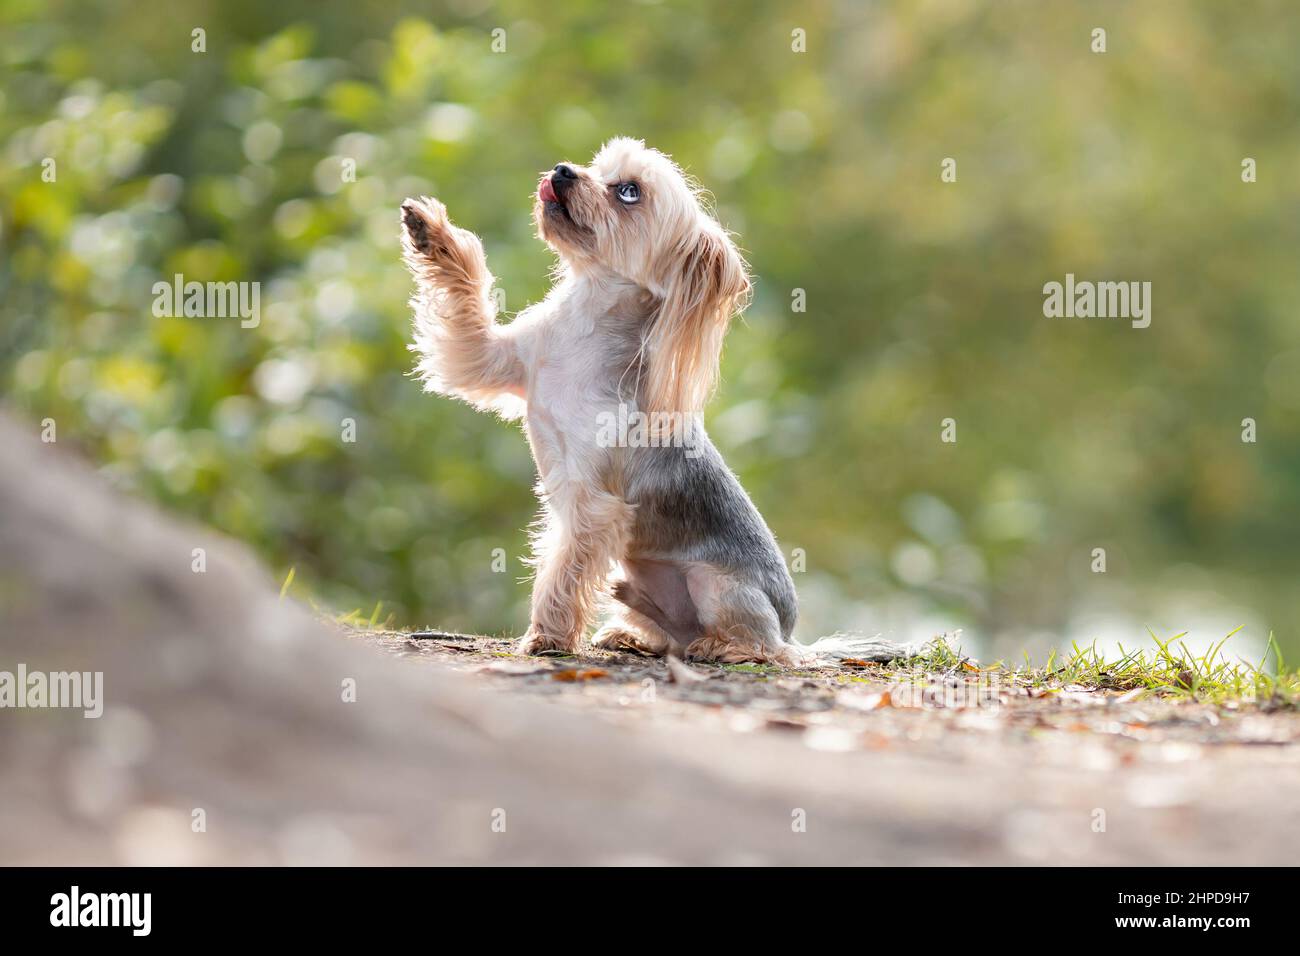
point(924, 299)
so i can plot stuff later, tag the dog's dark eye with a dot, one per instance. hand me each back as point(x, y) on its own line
point(628, 192)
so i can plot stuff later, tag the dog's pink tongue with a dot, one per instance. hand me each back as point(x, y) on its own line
point(546, 192)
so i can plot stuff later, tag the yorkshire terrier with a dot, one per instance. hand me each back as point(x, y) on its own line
point(632, 329)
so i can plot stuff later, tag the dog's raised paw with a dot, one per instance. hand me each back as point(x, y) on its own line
point(425, 221)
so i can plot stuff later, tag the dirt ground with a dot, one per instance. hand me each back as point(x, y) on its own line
point(1049, 772)
point(866, 706)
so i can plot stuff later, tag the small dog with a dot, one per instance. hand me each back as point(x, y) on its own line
point(631, 330)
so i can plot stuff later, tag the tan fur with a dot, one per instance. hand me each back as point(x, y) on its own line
point(669, 245)
point(455, 330)
point(572, 559)
point(628, 630)
point(661, 274)
point(685, 342)
point(739, 622)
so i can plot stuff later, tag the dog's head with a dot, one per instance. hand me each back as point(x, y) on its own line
point(633, 213)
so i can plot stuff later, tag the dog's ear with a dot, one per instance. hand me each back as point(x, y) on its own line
point(707, 284)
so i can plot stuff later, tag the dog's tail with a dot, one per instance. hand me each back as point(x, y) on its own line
point(836, 648)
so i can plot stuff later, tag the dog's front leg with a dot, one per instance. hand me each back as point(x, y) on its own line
point(580, 537)
point(463, 350)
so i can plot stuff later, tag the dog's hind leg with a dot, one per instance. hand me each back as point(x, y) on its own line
point(655, 592)
point(740, 623)
point(630, 630)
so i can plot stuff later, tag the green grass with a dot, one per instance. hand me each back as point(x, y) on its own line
point(1169, 670)
point(354, 618)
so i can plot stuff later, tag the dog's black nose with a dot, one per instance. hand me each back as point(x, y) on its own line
point(564, 171)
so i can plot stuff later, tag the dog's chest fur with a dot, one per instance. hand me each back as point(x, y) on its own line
point(580, 349)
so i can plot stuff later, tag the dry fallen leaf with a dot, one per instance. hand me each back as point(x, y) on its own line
point(680, 673)
point(779, 723)
point(590, 673)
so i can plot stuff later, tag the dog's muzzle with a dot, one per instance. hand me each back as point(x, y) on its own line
point(559, 182)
